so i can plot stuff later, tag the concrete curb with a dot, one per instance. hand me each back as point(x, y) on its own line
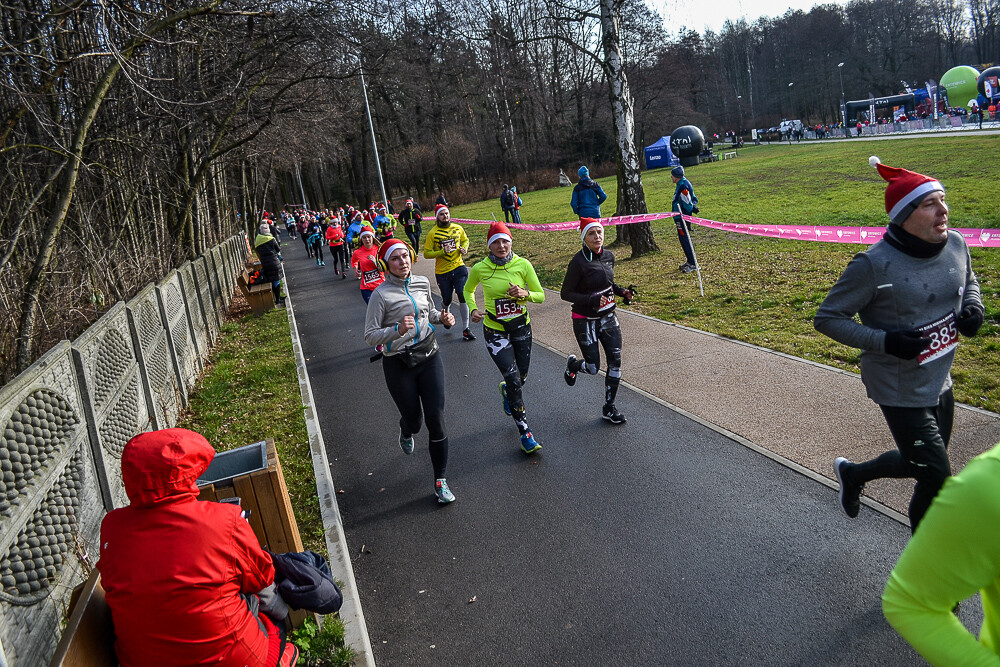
point(355, 628)
point(778, 458)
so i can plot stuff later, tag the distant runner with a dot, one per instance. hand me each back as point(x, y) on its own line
point(447, 244)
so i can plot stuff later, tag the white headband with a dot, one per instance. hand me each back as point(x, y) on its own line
point(583, 232)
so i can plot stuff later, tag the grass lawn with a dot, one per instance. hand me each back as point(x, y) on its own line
point(249, 392)
point(766, 291)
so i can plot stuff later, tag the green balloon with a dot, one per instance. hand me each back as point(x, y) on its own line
point(960, 82)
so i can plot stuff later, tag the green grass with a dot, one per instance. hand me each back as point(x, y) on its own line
point(249, 392)
point(766, 291)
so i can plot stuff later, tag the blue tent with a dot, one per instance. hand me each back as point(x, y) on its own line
point(660, 155)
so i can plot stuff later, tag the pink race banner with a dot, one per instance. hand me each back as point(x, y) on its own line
point(974, 238)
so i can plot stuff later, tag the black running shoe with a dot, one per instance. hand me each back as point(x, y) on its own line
point(850, 494)
point(570, 375)
point(468, 335)
point(612, 415)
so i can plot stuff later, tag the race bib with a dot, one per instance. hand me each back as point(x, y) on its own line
point(609, 294)
point(943, 335)
point(371, 276)
point(508, 309)
point(449, 245)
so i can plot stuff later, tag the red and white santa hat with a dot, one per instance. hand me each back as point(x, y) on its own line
point(390, 246)
point(586, 224)
point(498, 230)
point(905, 191)
point(440, 207)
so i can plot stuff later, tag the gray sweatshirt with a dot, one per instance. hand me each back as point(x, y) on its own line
point(891, 290)
point(393, 300)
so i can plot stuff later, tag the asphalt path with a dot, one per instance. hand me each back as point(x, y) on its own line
point(659, 542)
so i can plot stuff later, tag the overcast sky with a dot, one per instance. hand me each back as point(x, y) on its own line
point(700, 15)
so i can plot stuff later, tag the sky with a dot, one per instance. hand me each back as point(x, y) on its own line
point(700, 15)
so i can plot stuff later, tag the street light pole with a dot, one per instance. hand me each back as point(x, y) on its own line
point(371, 126)
point(843, 100)
point(739, 108)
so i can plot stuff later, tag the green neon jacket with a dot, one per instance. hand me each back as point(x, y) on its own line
point(954, 553)
point(496, 280)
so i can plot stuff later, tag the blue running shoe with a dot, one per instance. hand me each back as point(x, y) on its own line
point(443, 493)
point(406, 443)
point(528, 443)
point(503, 394)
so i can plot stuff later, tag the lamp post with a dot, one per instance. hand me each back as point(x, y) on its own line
point(790, 84)
point(739, 108)
point(843, 100)
point(371, 125)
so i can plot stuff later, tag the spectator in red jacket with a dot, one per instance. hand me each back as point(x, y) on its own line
point(181, 575)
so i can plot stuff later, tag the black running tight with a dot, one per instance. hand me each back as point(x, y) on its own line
point(606, 332)
point(412, 388)
point(511, 352)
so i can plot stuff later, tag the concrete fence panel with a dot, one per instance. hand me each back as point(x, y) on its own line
point(149, 338)
point(50, 504)
point(114, 400)
point(189, 286)
point(220, 273)
point(174, 310)
point(206, 292)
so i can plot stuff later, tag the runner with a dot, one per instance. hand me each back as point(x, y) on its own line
point(446, 244)
point(400, 318)
point(914, 292)
point(410, 217)
point(335, 237)
point(385, 226)
point(509, 282)
point(590, 286)
point(316, 235)
point(354, 230)
point(365, 263)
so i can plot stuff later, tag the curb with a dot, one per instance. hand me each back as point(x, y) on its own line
point(355, 628)
point(777, 458)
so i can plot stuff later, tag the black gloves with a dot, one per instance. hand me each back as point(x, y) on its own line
point(969, 320)
point(905, 344)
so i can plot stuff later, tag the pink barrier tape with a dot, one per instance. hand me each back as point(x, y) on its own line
point(974, 238)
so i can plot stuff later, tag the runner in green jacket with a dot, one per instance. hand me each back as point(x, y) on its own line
point(509, 283)
point(955, 553)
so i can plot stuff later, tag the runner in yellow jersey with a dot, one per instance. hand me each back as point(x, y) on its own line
point(447, 244)
point(509, 284)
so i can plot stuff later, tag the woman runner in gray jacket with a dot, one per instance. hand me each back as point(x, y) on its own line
point(400, 317)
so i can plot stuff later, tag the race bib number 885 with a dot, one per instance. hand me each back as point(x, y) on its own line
point(943, 335)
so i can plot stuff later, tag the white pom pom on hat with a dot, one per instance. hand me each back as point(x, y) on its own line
point(874, 160)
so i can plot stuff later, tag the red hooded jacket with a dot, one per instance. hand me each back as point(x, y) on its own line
point(173, 567)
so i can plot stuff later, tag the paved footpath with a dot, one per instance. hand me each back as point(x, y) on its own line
point(664, 541)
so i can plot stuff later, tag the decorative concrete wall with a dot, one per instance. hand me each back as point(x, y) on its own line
point(50, 504)
point(66, 420)
point(114, 396)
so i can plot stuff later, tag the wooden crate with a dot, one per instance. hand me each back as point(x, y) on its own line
point(265, 494)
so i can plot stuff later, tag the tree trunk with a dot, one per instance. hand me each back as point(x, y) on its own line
point(631, 197)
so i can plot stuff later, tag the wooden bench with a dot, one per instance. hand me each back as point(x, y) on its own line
point(89, 637)
point(259, 296)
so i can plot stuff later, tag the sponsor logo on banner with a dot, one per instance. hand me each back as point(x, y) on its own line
point(966, 233)
point(985, 236)
point(840, 233)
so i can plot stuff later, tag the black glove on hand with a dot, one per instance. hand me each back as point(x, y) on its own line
point(969, 320)
point(905, 344)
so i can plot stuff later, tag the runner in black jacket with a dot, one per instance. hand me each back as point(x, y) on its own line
point(590, 286)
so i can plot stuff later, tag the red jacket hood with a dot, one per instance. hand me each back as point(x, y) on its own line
point(160, 467)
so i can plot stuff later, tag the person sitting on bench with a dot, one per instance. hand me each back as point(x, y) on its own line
point(186, 581)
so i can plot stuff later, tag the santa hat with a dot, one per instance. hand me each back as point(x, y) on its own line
point(358, 216)
point(498, 230)
point(440, 207)
point(390, 246)
point(905, 191)
point(586, 224)
point(409, 200)
point(367, 230)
